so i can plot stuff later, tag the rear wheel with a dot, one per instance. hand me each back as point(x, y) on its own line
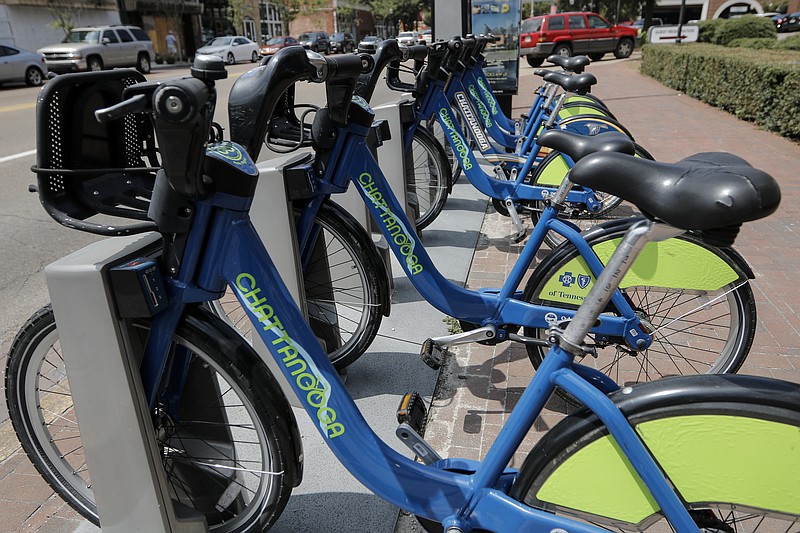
point(254, 57)
point(222, 371)
point(427, 177)
point(699, 442)
point(143, 64)
point(231, 59)
point(534, 61)
point(596, 57)
point(693, 331)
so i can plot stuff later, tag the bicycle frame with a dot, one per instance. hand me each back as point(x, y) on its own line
point(354, 163)
point(224, 248)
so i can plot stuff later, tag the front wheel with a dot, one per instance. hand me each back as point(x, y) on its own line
point(624, 49)
point(255, 472)
point(33, 77)
point(343, 290)
point(94, 64)
point(694, 330)
point(728, 445)
point(562, 50)
point(428, 177)
point(596, 57)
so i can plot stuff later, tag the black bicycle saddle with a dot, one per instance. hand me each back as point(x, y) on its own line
point(692, 194)
point(579, 146)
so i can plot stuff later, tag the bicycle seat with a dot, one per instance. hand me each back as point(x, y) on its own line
point(577, 83)
point(574, 64)
point(718, 159)
point(579, 146)
point(714, 199)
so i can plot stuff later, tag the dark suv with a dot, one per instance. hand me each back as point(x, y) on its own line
point(342, 43)
point(316, 41)
point(576, 33)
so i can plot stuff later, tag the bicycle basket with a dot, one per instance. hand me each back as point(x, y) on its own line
point(85, 168)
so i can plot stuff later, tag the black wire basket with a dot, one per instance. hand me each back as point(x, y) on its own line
point(93, 176)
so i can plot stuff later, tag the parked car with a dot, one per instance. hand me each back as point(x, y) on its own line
point(790, 22)
point(409, 38)
point(277, 43)
point(427, 36)
point(232, 48)
point(574, 33)
point(639, 23)
point(342, 43)
point(99, 47)
point(317, 41)
point(369, 44)
point(18, 64)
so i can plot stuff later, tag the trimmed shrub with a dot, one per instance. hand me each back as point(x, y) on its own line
point(754, 85)
point(708, 28)
point(757, 43)
point(744, 28)
point(170, 59)
point(790, 43)
point(159, 59)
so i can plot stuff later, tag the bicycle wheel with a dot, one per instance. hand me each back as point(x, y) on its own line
point(695, 330)
point(552, 171)
point(433, 126)
point(343, 289)
point(254, 472)
point(727, 444)
point(428, 177)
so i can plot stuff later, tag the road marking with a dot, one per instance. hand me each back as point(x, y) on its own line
point(17, 156)
point(17, 107)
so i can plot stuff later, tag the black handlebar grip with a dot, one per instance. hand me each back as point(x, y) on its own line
point(179, 101)
point(131, 105)
point(417, 52)
point(349, 66)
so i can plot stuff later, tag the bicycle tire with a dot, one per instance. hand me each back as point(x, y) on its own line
point(345, 304)
point(433, 126)
point(683, 424)
point(612, 207)
point(694, 332)
point(219, 355)
point(428, 177)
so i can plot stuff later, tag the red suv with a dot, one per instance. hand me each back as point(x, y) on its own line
point(574, 33)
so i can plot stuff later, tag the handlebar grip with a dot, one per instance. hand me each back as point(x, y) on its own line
point(132, 105)
point(179, 101)
point(417, 52)
point(349, 66)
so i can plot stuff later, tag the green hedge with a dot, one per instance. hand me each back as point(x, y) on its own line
point(762, 86)
point(743, 27)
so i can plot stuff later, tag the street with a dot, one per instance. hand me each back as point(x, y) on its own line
point(29, 238)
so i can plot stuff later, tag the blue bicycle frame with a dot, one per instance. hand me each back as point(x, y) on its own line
point(223, 249)
point(352, 161)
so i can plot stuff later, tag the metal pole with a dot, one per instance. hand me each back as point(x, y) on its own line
point(680, 21)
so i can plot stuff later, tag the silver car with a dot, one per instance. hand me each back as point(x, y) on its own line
point(17, 65)
point(232, 48)
point(100, 47)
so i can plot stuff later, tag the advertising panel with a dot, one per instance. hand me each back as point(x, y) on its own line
point(501, 18)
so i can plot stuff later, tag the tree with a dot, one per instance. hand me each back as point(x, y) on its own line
point(394, 11)
point(64, 14)
point(289, 9)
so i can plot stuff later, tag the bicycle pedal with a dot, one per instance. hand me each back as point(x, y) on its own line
point(432, 354)
point(412, 411)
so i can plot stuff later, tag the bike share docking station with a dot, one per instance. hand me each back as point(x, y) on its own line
point(101, 349)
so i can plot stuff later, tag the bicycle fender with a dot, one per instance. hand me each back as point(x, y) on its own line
point(592, 475)
point(679, 263)
point(592, 125)
point(551, 171)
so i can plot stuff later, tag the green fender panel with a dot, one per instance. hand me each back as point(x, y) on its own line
point(674, 264)
point(551, 172)
point(576, 98)
point(572, 111)
point(708, 458)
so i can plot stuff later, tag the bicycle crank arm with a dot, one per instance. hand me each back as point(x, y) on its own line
point(512, 212)
point(432, 351)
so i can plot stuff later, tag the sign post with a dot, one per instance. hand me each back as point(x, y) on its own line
point(673, 34)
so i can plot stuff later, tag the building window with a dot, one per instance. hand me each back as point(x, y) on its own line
point(271, 24)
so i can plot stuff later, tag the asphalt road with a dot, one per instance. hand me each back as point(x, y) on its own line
point(29, 238)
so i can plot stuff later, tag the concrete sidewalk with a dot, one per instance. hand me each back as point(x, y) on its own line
point(480, 385)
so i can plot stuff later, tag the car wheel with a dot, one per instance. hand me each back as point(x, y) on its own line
point(534, 61)
point(143, 64)
point(94, 64)
point(562, 50)
point(254, 57)
point(596, 57)
point(624, 49)
point(33, 77)
point(231, 59)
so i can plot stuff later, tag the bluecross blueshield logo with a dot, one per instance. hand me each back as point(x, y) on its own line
point(583, 281)
point(566, 279)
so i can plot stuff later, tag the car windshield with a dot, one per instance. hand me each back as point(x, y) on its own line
point(276, 40)
point(305, 37)
point(337, 37)
point(531, 25)
point(220, 41)
point(405, 34)
point(82, 36)
point(369, 38)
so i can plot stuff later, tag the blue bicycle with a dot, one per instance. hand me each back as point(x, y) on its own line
point(712, 452)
